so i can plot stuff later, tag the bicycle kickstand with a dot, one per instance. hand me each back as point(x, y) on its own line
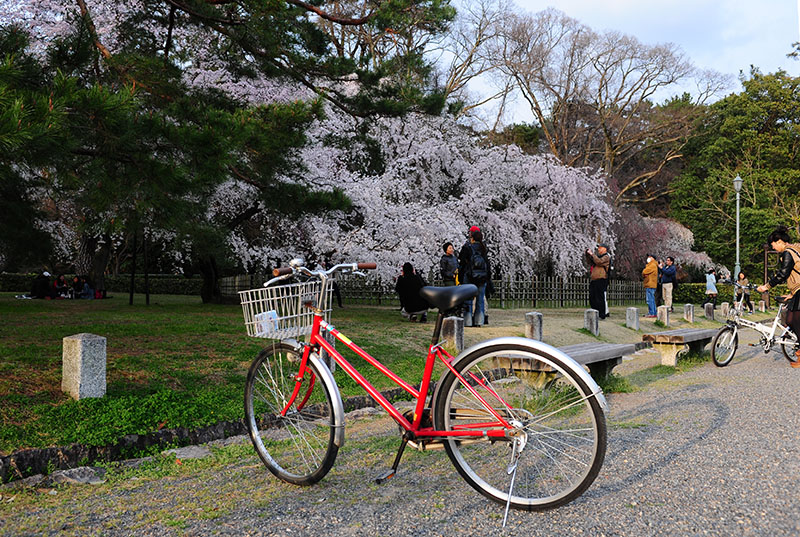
point(388, 474)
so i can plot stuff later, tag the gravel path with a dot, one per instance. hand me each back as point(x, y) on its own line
point(705, 452)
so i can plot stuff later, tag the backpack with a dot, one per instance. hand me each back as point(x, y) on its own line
point(478, 268)
point(796, 263)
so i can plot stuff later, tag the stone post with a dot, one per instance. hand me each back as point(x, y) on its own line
point(453, 333)
point(84, 366)
point(688, 312)
point(709, 310)
point(762, 306)
point(591, 321)
point(533, 325)
point(662, 314)
point(632, 318)
point(725, 307)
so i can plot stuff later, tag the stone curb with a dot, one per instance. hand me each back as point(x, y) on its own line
point(34, 463)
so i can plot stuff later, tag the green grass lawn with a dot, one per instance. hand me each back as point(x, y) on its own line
point(174, 363)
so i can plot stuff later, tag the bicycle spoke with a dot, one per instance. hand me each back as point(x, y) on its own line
point(295, 444)
point(565, 428)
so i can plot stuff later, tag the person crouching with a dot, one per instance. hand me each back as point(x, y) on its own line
point(408, 285)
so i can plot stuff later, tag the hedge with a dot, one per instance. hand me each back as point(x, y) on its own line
point(695, 293)
point(160, 284)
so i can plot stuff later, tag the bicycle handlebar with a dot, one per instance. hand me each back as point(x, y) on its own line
point(284, 272)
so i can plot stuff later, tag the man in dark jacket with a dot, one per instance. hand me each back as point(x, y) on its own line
point(407, 287)
point(668, 281)
point(448, 265)
point(599, 264)
point(41, 287)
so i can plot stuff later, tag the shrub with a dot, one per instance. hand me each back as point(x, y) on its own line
point(160, 284)
point(695, 293)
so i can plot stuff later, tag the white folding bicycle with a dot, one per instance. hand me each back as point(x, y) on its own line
point(726, 341)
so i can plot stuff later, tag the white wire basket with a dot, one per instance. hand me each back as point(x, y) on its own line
point(278, 312)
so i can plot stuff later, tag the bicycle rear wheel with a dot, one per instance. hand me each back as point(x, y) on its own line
point(724, 345)
point(291, 423)
point(790, 350)
point(563, 422)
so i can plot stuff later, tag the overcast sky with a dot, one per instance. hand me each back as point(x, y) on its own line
point(724, 35)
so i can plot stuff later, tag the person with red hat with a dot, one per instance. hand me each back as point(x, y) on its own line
point(474, 268)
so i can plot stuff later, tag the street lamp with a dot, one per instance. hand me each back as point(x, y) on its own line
point(737, 185)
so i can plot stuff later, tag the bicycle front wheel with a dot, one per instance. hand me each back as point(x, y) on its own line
point(563, 424)
point(291, 422)
point(724, 345)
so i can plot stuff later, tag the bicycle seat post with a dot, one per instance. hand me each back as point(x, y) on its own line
point(437, 330)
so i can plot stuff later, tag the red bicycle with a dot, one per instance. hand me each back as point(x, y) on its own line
point(521, 421)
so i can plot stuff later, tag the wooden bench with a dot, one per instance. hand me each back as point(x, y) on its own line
point(672, 342)
point(600, 358)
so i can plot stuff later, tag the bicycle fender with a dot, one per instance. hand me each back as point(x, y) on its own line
point(327, 378)
point(537, 347)
point(338, 406)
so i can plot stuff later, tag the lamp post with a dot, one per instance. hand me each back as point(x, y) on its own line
point(737, 185)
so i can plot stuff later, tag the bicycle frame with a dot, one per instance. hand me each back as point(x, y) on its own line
point(496, 429)
point(768, 332)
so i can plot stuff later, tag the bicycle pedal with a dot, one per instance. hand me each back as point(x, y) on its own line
point(385, 476)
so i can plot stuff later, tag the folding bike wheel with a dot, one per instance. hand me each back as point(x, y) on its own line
point(295, 441)
point(790, 350)
point(563, 423)
point(724, 345)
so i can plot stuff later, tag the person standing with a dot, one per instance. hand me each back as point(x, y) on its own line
point(599, 264)
point(650, 282)
point(743, 281)
point(788, 272)
point(711, 288)
point(668, 280)
point(448, 265)
point(474, 268)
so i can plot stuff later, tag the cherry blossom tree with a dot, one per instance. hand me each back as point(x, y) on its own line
point(435, 179)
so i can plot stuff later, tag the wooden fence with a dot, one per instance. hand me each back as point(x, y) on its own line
point(509, 292)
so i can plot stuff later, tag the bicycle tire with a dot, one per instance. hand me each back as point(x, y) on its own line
point(299, 446)
point(790, 353)
point(564, 422)
point(724, 346)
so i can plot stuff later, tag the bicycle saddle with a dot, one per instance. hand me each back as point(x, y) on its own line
point(445, 298)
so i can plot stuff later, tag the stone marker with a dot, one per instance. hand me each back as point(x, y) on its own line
point(688, 312)
point(662, 314)
point(708, 310)
point(189, 452)
point(591, 321)
point(762, 306)
point(724, 309)
point(84, 366)
point(453, 333)
point(632, 318)
point(533, 325)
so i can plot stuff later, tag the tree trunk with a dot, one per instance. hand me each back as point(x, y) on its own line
point(100, 260)
point(210, 292)
point(92, 260)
